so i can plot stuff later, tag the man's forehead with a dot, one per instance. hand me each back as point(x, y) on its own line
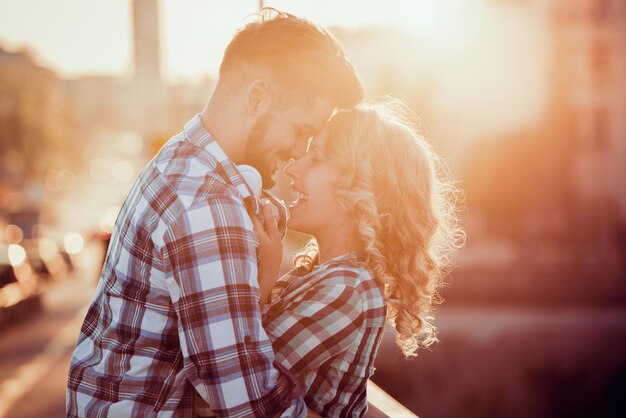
point(318, 142)
point(314, 116)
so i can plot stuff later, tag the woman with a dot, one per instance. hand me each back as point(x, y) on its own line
point(371, 192)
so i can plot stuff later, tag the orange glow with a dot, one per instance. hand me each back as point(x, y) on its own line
point(522, 99)
point(488, 59)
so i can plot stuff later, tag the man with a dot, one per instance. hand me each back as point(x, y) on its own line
point(176, 313)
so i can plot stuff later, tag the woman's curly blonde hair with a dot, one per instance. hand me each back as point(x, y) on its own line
point(405, 211)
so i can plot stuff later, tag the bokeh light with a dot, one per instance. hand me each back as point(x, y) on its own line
point(17, 255)
point(48, 249)
point(13, 234)
point(108, 218)
point(73, 242)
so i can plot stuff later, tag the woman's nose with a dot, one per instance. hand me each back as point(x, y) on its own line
point(292, 169)
point(299, 149)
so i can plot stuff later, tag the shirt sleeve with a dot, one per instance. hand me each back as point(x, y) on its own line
point(209, 254)
point(321, 324)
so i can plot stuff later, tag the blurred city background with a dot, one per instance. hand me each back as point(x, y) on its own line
point(525, 99)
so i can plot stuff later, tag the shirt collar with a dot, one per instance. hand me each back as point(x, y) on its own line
point(300, 280)
point(198, 135)
point(353, 258)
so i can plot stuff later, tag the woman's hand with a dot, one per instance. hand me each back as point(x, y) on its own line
point(270, 250)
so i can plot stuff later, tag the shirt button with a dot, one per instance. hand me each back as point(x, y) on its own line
point(247, 339)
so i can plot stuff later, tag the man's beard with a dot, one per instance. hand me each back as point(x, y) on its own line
point(258, 152)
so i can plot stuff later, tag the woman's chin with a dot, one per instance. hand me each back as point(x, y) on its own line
point(292, 225)
point(296, 226)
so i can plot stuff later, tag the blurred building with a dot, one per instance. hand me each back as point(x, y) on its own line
point(590, 64)
point(147, 41)
point(546, 199)
point(562, 178)
point(53, 130)
point(148, 95)
point(141, 102)
point(35, 135)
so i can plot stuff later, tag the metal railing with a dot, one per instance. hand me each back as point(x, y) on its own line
point(381, 404)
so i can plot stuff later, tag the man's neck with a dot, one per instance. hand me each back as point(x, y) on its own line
point(217, 120)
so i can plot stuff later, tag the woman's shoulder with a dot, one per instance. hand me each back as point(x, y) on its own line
point(347, 273)
point(347, 286)
point(358, 277)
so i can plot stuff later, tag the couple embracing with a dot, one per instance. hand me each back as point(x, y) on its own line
point(190, 317)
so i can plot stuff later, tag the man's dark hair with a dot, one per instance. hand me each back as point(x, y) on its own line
point(301, 56)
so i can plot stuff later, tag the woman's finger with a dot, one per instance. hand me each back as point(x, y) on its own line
point(270, 222)
point(257, 225)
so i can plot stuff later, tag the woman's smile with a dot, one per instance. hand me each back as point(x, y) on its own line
point(300, 197)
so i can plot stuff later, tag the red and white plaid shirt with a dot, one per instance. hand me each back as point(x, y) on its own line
point(176, 311)
point(326, 326)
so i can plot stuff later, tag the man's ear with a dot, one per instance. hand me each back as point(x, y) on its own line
point(257, 98)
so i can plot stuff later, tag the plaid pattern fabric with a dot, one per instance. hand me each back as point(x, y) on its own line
point(326, 326)
point(176, 311)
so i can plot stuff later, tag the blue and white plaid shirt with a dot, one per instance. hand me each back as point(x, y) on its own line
point(176, 311)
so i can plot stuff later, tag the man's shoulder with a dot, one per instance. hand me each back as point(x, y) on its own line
point(189, 172)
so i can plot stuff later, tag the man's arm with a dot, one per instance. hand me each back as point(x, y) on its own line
point(210, 258)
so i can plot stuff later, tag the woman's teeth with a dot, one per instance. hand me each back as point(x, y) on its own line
point(300, 197)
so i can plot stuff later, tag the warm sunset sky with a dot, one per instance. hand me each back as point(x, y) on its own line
point(489, 54)
point(79, 36)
